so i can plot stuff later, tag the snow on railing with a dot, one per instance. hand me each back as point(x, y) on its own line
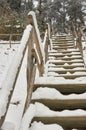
point(30, 41)
point(45, 46)
point(46, 42)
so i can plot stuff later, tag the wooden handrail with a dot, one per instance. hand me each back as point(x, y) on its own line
point(37, 41)
point(30, 41)
point(46, 42)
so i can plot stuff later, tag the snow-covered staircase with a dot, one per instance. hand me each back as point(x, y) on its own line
point(61, 93)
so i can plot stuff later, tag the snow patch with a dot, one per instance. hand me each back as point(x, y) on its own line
point(41, 126)
point(12, 71)
point(51, 93)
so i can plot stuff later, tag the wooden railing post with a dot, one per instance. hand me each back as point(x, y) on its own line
point(47, 42)
point(10, 39)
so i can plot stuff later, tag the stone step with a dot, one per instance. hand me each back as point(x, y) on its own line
point(63, 85)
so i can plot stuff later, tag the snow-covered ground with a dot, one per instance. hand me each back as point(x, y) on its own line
point(9, 74)
point(15, 111)
point(6, 55)
point(18, 100)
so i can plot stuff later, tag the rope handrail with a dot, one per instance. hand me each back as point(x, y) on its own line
point(30, 41)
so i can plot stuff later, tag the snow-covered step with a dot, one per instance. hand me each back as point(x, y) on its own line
point(40, 126)
point(62, 47)
point(55, 42)
point(62, 44)
point(64, 51)
point(61, 84)
point(66, 122)
point(64, 37)
point(62, 40)
point(66, 66)
point(64, 71)
point(58, 62)
point(53, 99)
point(59, 55)
point(62, 88)
point(64, 58)
point(68, 75)
point(65, 55)
point(67, 118)
point(59, 52)
point(61, 104)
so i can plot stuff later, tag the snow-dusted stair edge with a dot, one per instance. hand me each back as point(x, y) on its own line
point(59, 80)
point(51, 93)
point(40, 110)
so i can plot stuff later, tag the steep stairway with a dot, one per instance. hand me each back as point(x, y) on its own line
point(62, 90)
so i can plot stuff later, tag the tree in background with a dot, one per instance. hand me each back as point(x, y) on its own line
point(15, 4)
point(75, 11)
point(9, 20)
point(13, 15)
point(59, 13)
point(41, 11)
